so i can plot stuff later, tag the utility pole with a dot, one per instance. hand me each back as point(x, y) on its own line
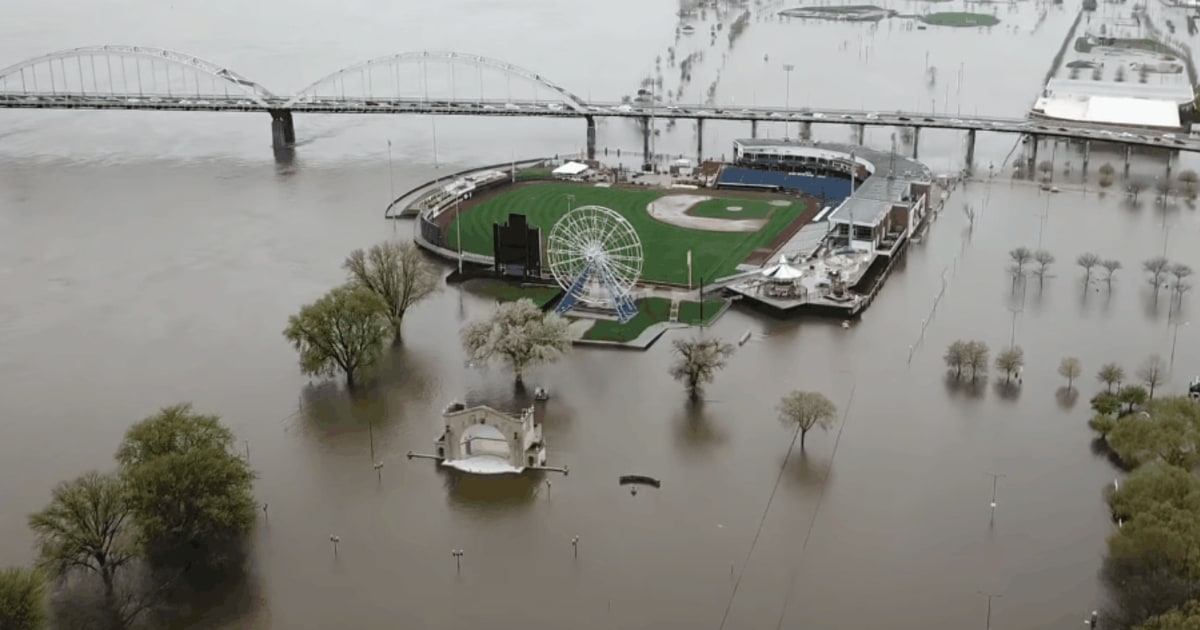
point(787, 68)
point(989, 597)
point(995, 478)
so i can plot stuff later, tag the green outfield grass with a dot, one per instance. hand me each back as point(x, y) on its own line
point(505, 292)
point(665, 247)
point(652, 311)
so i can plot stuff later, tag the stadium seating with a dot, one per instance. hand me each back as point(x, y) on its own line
point(830, 189)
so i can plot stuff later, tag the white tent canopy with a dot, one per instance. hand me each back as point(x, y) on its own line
point(783, 271)
point(570, 169)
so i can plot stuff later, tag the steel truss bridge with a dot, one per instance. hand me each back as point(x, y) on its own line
point(142, 78)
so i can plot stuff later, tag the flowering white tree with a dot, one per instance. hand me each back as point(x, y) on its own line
point(520, 334)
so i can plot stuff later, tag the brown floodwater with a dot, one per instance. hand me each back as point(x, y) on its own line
point(150, 259)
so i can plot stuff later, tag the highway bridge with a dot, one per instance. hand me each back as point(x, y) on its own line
point(141, 78)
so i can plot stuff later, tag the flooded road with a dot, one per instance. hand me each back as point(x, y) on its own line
point(154, 258)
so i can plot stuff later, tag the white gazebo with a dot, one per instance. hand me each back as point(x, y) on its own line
point(782, 279)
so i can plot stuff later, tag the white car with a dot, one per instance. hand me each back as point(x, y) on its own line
point(872, 116)
point(818, 115)
point(511, 106)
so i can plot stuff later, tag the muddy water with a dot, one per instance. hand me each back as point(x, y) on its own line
point(150, 259)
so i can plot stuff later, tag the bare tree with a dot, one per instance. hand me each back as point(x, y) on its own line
point(1111, 266)
point(1010, 360)
point(977, 358)
point(520, 333)
point(1020, 257)
point(1087, 260)
point(1181, 272)
point(1153, 372)
point(1044, 259)
point(807, 410)
point(1111, 375)
point(1070, 369)
point(1188, 178)
point(1157, 268)
point(697, 361)
point(957, 357)
point(398, 273)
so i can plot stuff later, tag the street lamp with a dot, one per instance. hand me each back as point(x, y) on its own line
point(995, 478)
point(575, 544)
point(458, 554)
point(1174, 339)
point(787, 68)
point(335, 540)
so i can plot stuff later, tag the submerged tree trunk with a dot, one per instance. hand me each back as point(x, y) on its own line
point(803, 434)
point(350, 381)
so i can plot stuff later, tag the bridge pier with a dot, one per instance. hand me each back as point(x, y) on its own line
point(1128, 157)
point(860, 133)
point(753, 128)
point(1171, 156)
point(806, 130)
point(591, 137)
point(699, 141)
point(283, 129)
point(1033, 149)
point(916, 142)
point(1087, 154)
point(970, 149)
point(646, 157)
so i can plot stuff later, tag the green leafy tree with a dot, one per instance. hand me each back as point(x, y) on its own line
point(519, 333)
point(343, 330)
point(1132, 396)
point(395, 272)
point(807, 410)
point(1106, 404)
point(697, 362)
point(85, 529)
point(22, 599)
point(1070, 369)
point(1169, 432)
point(190, 494)
point(1185, 617)
point(1111, 375)
point(1102, 424)
point(1010, 361)
point(956, 357)
point(1152, 484)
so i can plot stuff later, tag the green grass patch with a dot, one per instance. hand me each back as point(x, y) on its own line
point(505, 292)
point(720, 209)
point(960, 19)
point(665, 247)
point(533, 173)
point(689, 312)
point(650, 311)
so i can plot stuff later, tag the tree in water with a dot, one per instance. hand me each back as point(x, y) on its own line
point(343, 330)
point(1070, 369)
point(1010, 361)
point(1181, 273)
point(85, 530)
point(697, 362)
point(1188, 178)
point(22, 599)
point(1132, 396)
point(807, 410)
point(1157, 268)
point(520, 334)
point(190, 494)
point(1110, 266)
point(1044, 259)
point(1153, 372)
point(1020, 256)
point(395, 272)
point(957, 357)
point(1111, 374)
point(977, 358)
point(1088, 261)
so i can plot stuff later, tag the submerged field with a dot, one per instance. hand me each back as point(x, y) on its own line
point(665, 247)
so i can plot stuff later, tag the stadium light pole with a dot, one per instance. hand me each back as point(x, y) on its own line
point(787, 104)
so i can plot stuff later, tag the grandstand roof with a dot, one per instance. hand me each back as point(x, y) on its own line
point(891, 173)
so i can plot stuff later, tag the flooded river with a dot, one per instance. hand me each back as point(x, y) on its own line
point(153, 258)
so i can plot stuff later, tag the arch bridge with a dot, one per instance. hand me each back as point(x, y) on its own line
point(443, 83)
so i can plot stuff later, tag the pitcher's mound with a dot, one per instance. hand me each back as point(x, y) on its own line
point(673, 210)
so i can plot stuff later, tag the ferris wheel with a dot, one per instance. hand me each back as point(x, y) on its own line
point(595, 255)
